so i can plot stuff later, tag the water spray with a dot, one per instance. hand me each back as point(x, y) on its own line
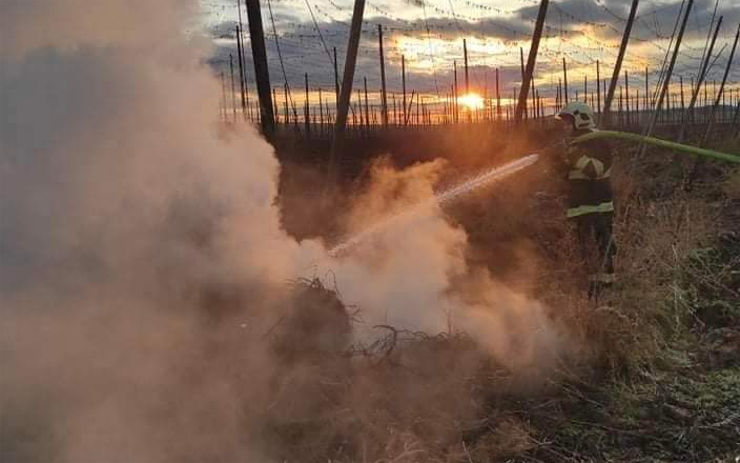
point(496, 173)
point(443, 197)
point(597, 134)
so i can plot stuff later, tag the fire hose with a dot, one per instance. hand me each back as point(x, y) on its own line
point(597, 134)
point(600, 134)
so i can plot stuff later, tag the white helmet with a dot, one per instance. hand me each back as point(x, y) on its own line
point(580, 113)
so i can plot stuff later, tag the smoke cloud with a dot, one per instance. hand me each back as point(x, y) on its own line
point(141, 257)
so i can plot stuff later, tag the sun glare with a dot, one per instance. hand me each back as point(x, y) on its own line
point(470, 101)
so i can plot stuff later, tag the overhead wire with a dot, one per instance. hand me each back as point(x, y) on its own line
point(589, 41)
point(280, 56)
point(321, 37)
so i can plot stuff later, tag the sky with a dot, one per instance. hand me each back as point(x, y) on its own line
point(429, 33)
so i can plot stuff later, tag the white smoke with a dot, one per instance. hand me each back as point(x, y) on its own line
point(412, 273)
point(129, 224)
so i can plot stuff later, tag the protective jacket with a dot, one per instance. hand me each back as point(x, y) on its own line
point(589, 177)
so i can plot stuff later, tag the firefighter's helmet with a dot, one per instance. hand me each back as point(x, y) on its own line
point(579, 113)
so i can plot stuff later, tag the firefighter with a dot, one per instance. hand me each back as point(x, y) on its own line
point(590, 198)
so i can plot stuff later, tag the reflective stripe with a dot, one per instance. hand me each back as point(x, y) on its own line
point(582, 162)
point(603, 278)
point(598, 167)
point(579, 175)
point(577, 172)
point(589, 209)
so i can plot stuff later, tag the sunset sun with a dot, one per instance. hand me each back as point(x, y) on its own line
point(470, 101)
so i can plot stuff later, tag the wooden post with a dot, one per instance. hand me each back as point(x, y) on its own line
point(498, 99)
point(451, 102)
point(233, 89)
point(721, 87)
point(367, 107)
point(223, 110)
point(603, 94)
point(336, 79)
point(670, 106)
point(346, 90)
point(669, 72)
point(465, 56)
point(330, 116)
point(689, 113)
point(285, 103)
point(598, 88)
point(523, 90)
point(395, 116)
point(667, 110)
point(241, 70)
point(360, 117)
point(585, 88)
point(627, 95)
point(467, 79)
point(308, 110)
point(407, 111)
point(261, 73)
point(454, 92)
point(417, 111)
point(618, 64)
point(620, 117)
point(647, 91)
point(534, 97)
point(275, 105)
point(321, 113)
point(295, 112)
point(487, 105)
point(637, 104)
point(521, 62)
point(403, 87)
point(383, 96)
point(706, 98)
point(242, 65)
point(565, 81)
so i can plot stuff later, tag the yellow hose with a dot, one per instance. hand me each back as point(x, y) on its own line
point(597, 134)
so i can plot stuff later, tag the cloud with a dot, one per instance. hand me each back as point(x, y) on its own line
point(582, 31)
point(303, 52)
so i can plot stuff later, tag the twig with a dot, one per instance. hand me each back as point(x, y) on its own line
point(465, 448)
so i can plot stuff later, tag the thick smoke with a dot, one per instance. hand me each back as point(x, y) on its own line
point(412, 272)
point(141, 258)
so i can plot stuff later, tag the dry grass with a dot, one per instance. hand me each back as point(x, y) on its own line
point(407, 397)
point(668, 242)
point(411, 397)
